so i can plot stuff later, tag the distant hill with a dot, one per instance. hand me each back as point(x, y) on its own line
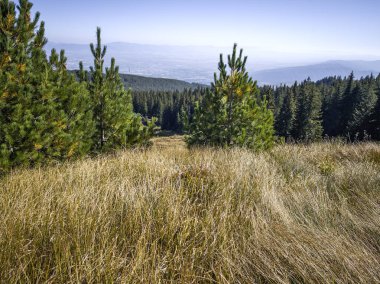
point(316, 72)
point(287, 75)
point(140, 83)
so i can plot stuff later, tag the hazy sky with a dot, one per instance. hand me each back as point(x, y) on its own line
point(301, 26)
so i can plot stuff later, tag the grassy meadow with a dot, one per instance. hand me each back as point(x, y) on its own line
point(295, 214)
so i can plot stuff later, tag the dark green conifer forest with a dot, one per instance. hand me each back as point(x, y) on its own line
point(346, 107)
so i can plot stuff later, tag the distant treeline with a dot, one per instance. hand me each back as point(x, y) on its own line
point(307, 111)
point(141, 83)
point(168, 107)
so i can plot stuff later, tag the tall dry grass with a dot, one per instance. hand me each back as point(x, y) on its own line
point(296, 214)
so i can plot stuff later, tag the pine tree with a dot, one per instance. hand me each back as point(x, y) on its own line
point(308, 124)
point(372, 123)
point(37, 123)
point(115, 122)
point(230, 113)
point(331, 111)
point(18, 87)
point(285, 121)
point(365, 100)
point(347, 104)
point(73, 101)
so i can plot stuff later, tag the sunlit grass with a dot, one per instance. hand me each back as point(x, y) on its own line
point(295, 214)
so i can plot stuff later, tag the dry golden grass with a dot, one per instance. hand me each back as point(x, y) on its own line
point(296, 214)
point(172, 142)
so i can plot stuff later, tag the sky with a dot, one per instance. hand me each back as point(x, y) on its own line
point(345, 27)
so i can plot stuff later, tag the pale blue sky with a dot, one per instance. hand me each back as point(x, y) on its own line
point(304, 26)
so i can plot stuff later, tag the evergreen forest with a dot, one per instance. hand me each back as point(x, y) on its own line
point(346, 107)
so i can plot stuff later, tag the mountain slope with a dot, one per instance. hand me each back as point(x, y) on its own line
point(316, 72)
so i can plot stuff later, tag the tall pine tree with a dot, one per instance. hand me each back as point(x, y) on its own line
point(230, 113)
point(331, 110)
point(285, 120)
point(74, 102)
point(308, 123)
point(372, 123)
point(116, 125)
point(365, 100)
point(37, 95)
point(347, 105)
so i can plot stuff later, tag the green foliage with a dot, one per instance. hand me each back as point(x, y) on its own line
point(115, 122)
point(43, 113)
point(350, 108)
point(365, 100)
point(303, 112)
point(286, 116)
point(230, 113)
point(331, 108)
point(347, 104)
point(176, 109)
point(73, 100)
point(173, 109)
point(308, 124)
point(372, 123)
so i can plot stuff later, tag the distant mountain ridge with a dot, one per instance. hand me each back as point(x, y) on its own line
point(288, 75)
point(198, 64)
point(142, 83)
